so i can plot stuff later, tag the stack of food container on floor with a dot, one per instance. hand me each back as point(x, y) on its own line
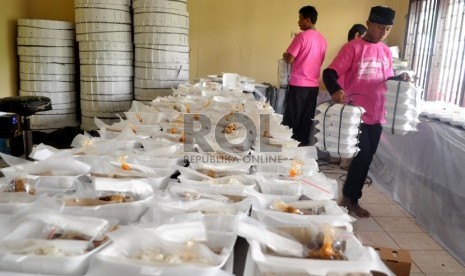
point(161, 37)
point(104, 33)
point(168, 191)
point(46, 68)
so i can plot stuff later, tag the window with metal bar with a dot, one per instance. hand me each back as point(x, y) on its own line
point(435, 48)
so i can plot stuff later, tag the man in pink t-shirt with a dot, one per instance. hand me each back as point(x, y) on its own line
point(365, 65)
point(306, 54)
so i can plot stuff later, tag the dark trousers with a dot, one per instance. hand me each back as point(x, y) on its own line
point(358, 170)
point(300, 111)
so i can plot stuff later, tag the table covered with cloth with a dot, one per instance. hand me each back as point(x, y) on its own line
point(424, 171)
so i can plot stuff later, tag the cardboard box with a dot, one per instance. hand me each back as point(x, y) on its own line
point(398, 260)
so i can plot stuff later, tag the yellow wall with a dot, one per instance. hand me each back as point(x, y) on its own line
point(249, 36)
point(51, 9)
point(398, 33)
point(10, 11)
point(243, 36)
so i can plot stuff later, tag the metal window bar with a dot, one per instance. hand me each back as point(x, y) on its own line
point(435, 47)
point(451, 64)
point(447, 56)
point(459, 66)
point(420, 40)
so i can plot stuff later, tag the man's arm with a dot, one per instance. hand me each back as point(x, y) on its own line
point(330, 78)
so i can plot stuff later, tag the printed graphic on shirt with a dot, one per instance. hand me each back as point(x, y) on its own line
point(370, 69)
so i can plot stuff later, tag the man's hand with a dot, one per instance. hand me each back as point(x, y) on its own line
point(405, 77)
point(288, 57)
point(339, 96)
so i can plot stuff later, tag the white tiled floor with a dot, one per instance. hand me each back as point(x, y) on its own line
point(392, 226)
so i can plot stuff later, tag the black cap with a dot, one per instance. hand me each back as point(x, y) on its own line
point(382, 15)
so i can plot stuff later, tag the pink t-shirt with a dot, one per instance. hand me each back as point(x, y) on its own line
point(308, 49)
point(365, 67)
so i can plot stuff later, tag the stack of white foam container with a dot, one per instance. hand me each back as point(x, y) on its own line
point(403, 107)
point(338, 127)
point(47, 68)
point(284, 70)
point(103, 30)
point(161, 38)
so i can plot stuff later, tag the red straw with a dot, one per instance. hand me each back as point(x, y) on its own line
point(314, 185)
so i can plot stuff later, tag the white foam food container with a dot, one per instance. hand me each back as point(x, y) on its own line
point(95, 46)
point(336, 121)
point(75, 264)
point(46, 24)
point(283, 169)
point(360, 259)
point(89, 61)
point(46, 86)
point(145, 83)
point(169, 48)
point(106, 2)
point(52, 59)
point(239, 188)
point(113, 6)
point(83, 15)
point(176, 5)
point(207, 206)
point(106, 87)
point(13, 202)
point(107, 97)
point(106, 36)
point(335, 110)
point(161, 38)
point(162, 74)
point(279, 187)
point(160, 29)
point(404, 87)
point(46, 68)
point(106, 54)
point(102, 106)
point(162, 19)
point(334, 138)
point(46, 77)
point(87, 28)
point(119, 254)
point(162, 65)
point(149, 94)
point(401, 98)
point(125, 213)
point(106, 70)
point(160, 56)
point(334, 215)
point(24, 31)
point(46, 51)
point(29, 41)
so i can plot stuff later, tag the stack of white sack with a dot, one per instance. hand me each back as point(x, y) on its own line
point(338, 126)
point(445, 112)
point(403, 107)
